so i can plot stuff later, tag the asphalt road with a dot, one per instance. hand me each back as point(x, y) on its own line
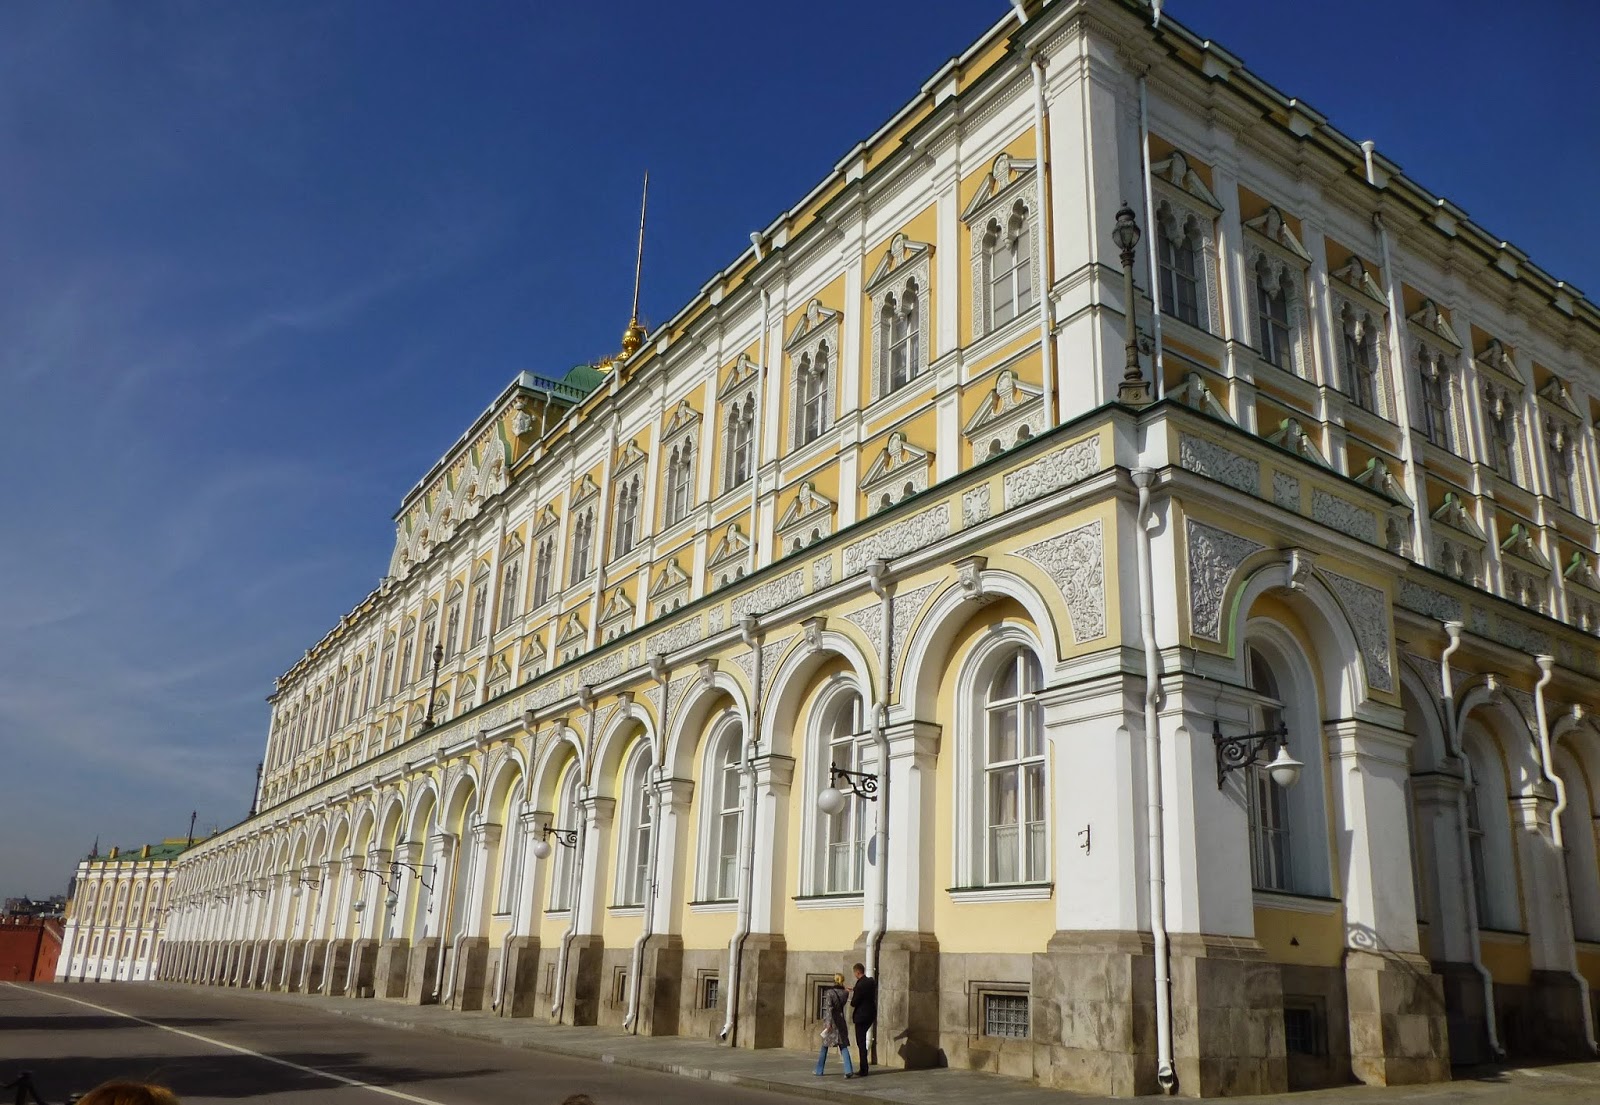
point(218, 1047)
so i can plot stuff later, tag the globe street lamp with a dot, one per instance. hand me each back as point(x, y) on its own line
point(1248, 749)
point(567, 838)
point(1134, 390)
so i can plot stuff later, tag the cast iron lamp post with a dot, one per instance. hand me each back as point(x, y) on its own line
point(1134, 391)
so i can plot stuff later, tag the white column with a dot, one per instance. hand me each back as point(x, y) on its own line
point(442, 854)
point(1544, 897)
point(913, 798)
point(475, 904)
point(674, 883)
point(595, 844)
point(347, 881)
point(1370, 766)
point(773, 777)
point(530, 887)
point(1437, 802)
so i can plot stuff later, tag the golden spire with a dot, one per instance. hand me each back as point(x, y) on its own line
point(633, 337)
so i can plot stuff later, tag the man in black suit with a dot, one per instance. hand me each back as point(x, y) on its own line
point(863, 1011)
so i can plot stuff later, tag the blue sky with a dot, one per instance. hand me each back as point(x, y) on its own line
point(260, 264)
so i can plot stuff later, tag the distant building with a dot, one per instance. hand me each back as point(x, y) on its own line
point(113, 922)
point(29, 946)
point(36, 907)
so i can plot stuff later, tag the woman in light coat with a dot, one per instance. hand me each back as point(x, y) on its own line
point(834, 1031)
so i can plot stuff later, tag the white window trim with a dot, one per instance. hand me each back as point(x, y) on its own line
point(818, 327)
point(813, 845)
point(905, 263)
point(635, 801)
point(968, 845)
point(1182, 207)
point(1004, 191)
point(1291, 275)
point(711, 809)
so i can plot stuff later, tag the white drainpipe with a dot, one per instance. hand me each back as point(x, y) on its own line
point(452, 846)
point(878, 578)
point(1047, 370)
point(658, 669)
point(1475, 944)
point(1155, 845)
point(586, 700)
point(1547, 672)
point(1151, 230)
point(749, 630)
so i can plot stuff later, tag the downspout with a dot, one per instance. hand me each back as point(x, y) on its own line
point(1047, 371)
point(878, 579)
point(758, 431)
point(1464, 844)
point(659, 670)
point(1155, 817)
point(446, 916)
point(516, 899)
point(750, 633)
point(1158, 363)
point(1547, 672)
point(586, 700)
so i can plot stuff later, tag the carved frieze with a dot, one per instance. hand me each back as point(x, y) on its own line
point(1056, 469)
point(1208, 459)
point(1344, 516)
point(1428, 602)
point(1286, 491)
point(1368, 613)
point(915, 532)
point(1214, 555)
point(769, 596)
point(975, 506)
point(1076, 562)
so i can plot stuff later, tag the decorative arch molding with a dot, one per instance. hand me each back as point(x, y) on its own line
point(920, 670)
point(789, 683)
point(1353, 659)
point(507, 773)
point(457, 777)
point(423, 794)
point(1432, 744)
point(691, 721)
point(563, 747)
point(618, 737)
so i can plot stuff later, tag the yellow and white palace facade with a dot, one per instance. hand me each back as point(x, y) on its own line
point(870, 502)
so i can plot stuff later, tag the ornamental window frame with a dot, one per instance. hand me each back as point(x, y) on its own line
point(582, 546)
point(1562, 441)
point(1278, 265)
point(1005, 204)
point(678, 495)
point(561, 894)
point(721, 823)
point(736, 400)
point(454, 599)
point(837, 734)
point(637, 825)
point(1502, 392)
point(511, 558)
point(807, 520)
point(1360, 320)
point(814, 349)
point(903, 273)
point(626, 523)
point(1186, 215)
point(478, 622)
point(1435, 361)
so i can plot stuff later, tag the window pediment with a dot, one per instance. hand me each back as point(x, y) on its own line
point(1354, 276)
point(669, 579)
point(630, 456)
point(1580, 570)
point(573, 630)
point(1377, 477)
point(1010, 403)
point(1176, 174)
point(814, 324)
point(807, 504)
point(1195, 392)
point(1273, 229)
point(1006, 177)
point(1291, 436)
point(1452, 513)
point(904, 257)
point(1555, 391)
point(546, 519)
point(585, 490)
point(1495, 356)
point(740, 374)
point(898, 461)
point(734, 544)
point(684, 417)
point(1432, 323)
point(1519, 543)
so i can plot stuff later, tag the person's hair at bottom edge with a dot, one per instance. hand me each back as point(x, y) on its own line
point(578, 1099)
point(122, 1092)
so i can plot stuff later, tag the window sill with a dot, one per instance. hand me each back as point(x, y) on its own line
point(718, 905)
point(1502, 936)
point(1011, 892)
point(625, 910)
point(1297, 903)
point(829, 901)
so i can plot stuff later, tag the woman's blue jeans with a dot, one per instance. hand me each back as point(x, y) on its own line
point(822, 1059)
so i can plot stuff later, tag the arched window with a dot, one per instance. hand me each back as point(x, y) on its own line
point(582, 544)
point(741, 443)
point(723, 810)
point(408, 653)
point(627, 517)
point(386, 672)
point(1272, 310)
point(1288, 826)
point(841, 739)
point(479, 626)
point(543, 567)
point(1494, 880)
point(1178, 251)
point(1008, 257)
point(902, 335)
point(680, 481)
point(813, 393)
point(430, 635)
point(563, 860)
point(510, 580)
point(1558, 447)
point(1433, 371)
point(452, 629)
point(638, 822)
point(1577, 836)
point(1359, 343)
point(1015, 820)
point(513, 854)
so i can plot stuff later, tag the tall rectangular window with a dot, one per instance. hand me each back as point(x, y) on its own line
point(1178, 253)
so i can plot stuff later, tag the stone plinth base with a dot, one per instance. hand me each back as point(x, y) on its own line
point(294, 966)
point(1398, 1032)
point(1555, 1020)
point(364, 961)
point(519, 960)
point(661, 985)
point(908, 1002)
point(580, 998)
point(272, 979)
point(389, 970)
point(1094, 1013)
point(316, 960)
point(762, 983)
point(1227, 1017)
point(471, 970)
point(422, 972)
point(335, 968)
point(1465, 1018)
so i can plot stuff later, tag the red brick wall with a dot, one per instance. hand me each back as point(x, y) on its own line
point(29, 949)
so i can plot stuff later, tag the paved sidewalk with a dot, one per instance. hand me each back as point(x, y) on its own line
point(789, 1072)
